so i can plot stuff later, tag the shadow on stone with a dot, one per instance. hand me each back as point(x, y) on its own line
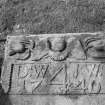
point(4, 98)
point(1, 61)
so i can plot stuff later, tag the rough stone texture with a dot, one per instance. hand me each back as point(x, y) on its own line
point(54, 69)
point(52, 100)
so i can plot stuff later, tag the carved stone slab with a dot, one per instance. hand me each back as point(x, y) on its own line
point(70, 63)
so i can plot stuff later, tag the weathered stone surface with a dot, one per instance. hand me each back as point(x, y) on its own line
point(52, 100)
point(55, 64)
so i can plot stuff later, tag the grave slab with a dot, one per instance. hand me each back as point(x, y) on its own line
point(54, 67)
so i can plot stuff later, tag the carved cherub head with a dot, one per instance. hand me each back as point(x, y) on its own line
point(57, 44)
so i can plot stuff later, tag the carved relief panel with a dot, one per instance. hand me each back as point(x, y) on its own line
point(54, 64)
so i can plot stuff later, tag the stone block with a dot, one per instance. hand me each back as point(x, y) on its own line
point(59, 64)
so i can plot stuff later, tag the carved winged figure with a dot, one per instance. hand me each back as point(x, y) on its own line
point(21, 48)
point(95, 48)
point(54, 48)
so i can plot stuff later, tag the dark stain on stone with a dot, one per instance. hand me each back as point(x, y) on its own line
point(4, 98)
